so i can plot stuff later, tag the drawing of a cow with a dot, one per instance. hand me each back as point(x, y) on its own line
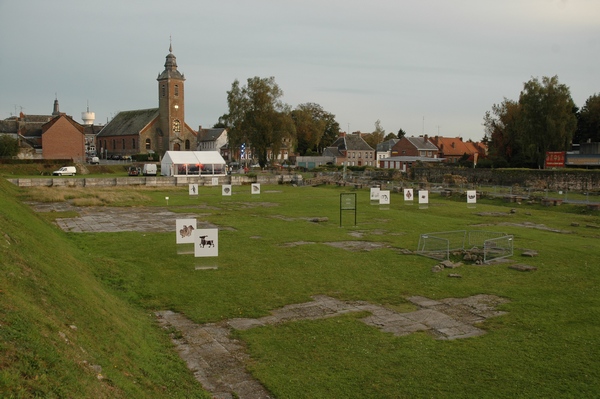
point(204, 242)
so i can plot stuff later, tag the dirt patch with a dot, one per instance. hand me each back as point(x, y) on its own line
point(219, 361)
point(529, 225)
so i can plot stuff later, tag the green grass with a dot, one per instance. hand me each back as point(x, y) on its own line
point(546, 346)
point(57, 320)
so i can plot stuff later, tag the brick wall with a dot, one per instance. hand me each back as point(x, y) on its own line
point(63, 140)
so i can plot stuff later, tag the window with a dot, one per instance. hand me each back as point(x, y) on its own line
point(148, 144)
point(176, 126)
point(360, 154)
point(187, 144)
point(176, 90)
point(133, 144)
point(114, 144)
point(164, 90)
point(123, 144)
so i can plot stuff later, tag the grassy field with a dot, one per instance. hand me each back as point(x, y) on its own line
point(547, 345)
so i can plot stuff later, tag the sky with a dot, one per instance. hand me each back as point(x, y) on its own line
point(427, 67)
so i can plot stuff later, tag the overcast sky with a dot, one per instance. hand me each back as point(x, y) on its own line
point(428, 66)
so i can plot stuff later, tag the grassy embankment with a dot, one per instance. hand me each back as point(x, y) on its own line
point(546, 346)
point(62, 333)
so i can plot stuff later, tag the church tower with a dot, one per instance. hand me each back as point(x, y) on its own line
point(171, 106)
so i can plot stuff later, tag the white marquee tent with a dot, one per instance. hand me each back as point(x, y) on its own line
point(194, 163)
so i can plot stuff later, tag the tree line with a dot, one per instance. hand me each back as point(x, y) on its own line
point(544, 118)
point(257, 116)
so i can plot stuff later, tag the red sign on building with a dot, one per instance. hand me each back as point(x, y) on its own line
point(555, 159)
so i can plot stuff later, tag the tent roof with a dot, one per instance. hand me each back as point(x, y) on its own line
point(194, 157)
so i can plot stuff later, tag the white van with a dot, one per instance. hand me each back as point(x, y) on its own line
point(149, 169)
point(65, 171)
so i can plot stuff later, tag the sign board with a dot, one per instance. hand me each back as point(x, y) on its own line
point(206, 242)
point(193, 189)
point(471, 197)
point(408, 194)
point(374, 193)
point(184, 228)
point(226, 189)
point(215, 181)
point(555, 159)
point(384, 197)
point(423, 197)
point(255, 188)
point(347, 203)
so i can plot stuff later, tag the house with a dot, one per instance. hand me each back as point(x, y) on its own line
point(63, 138)
point(384, 149)
point(415, 147)
point(453, 149)
point(351, 150)
point(214, 139)
point(155, 130)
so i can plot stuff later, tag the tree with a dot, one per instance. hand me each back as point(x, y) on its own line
point(9, 147)
point(377, 136)
point(588, 121)
point(542, 120)
point(258, 117)
point(502, 132)
point(312, 125)
point(390, 136)
point(401, 133)
point(548, 121)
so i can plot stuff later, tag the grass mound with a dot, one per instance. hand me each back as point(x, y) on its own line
point(61, 333)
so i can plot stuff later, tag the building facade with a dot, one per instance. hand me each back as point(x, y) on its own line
point(154, 130)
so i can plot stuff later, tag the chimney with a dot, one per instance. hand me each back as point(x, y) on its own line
point(425, 139)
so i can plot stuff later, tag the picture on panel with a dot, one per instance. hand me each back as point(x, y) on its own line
point(384, 197)
point(226, 189)
point(375, 193)
point(255, 188)
point(184, 228)
point(193, 189)
point(215, 181)
point(423, 197)
point(471, 197)
point(206, 242)
point(408, 194)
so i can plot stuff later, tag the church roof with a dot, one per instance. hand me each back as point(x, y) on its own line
point(129, 122)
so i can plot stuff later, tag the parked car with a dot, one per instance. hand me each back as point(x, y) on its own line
point(65, 171)
point(149, 169)
point(134, 171)
point(94, 160)
point(115, 157)
point(126, 157)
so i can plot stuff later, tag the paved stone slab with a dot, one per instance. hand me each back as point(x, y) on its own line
point(218, 361)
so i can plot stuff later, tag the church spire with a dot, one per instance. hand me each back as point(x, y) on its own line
point(55, 111)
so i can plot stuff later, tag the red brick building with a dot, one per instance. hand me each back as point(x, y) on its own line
point(415, 147)
point(63, 138)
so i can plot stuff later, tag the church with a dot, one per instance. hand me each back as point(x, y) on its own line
point(154, 130)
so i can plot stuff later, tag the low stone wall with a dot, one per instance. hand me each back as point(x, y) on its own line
point(555, 179)
point(154, 181)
